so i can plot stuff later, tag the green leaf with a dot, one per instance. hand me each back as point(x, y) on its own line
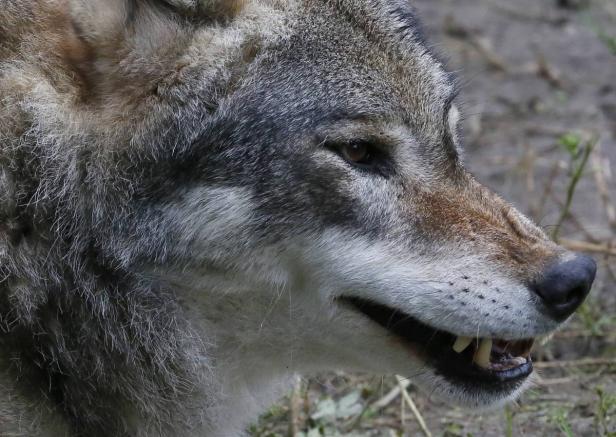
point(326, 409)
point(571, 143)
point(349, 405)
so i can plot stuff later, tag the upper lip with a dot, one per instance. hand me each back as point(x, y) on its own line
point(488, 362)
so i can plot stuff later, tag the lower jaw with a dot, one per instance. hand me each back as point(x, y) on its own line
point(487, 382)
point(457, 368)
point(475, 392)
point(472, 397)
point(472, 387)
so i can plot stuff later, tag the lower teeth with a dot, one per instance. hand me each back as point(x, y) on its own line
point(482, 356)
point(509, 364)
point(488, 349)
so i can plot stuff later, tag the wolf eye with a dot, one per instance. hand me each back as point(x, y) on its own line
point(357, 152)
point(363, 155)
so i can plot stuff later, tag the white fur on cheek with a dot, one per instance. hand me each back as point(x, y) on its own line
point(211, 221)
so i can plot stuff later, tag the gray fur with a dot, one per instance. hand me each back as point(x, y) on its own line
point(159, 193)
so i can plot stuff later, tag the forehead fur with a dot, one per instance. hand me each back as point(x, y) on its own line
point(123, 56)
point(378, 47)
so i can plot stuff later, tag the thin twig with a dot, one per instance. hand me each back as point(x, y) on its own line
point(583, 334)
point(481, 45)
point(602, 187)
point(576, 363)
point(576, 221)
point(575, 178)
point(548, 72)
point(606, 249)
point(610, 271)
point(295, 408)
point(546, 382)
point(547, 190)
point(527, 15)
point(355, 421)
point(390, 396)
point(411, 404)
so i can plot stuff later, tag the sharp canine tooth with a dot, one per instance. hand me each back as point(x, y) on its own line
point(482, 356)
point(462, 343)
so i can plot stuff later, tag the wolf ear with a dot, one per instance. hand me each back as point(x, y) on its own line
point(208, 8)
point(121, 44)
point(119, 20)
point(130, 9)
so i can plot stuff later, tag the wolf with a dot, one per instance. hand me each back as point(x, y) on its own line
point(201, 198)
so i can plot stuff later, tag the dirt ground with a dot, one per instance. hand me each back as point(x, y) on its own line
point(538, 90)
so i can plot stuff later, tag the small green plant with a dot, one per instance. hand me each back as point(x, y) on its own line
point(594, 319)
point(606, 408)
point(589, 318)
point(570, 142)
point(578, 158)
point(606, 38)
point(609, 41)
point(508, 422)
point(453, 430)
point(329, 410)
point(560, 418)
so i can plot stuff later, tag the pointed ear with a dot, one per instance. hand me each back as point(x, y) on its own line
point(129, 45)
point(209, 8)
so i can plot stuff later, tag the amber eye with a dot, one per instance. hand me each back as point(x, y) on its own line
point(356, 151)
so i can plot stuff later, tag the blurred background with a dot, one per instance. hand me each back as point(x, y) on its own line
point(539, 96)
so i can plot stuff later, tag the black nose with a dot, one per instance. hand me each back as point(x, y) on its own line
point(564, 285)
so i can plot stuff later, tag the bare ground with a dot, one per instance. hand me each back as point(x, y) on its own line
point(539, 77)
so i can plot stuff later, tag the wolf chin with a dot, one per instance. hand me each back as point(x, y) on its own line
point(200, 198)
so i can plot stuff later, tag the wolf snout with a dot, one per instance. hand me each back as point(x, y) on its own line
point(564, 285)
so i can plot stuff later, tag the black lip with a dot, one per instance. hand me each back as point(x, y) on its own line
point(436, 347)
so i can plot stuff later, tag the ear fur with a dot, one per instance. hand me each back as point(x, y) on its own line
point(208, 8)
point(128, 46)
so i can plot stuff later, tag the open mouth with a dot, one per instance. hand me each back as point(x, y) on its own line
point(485, 363)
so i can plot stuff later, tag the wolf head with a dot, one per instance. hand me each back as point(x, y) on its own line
point(292, 171)
point(330, 181)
